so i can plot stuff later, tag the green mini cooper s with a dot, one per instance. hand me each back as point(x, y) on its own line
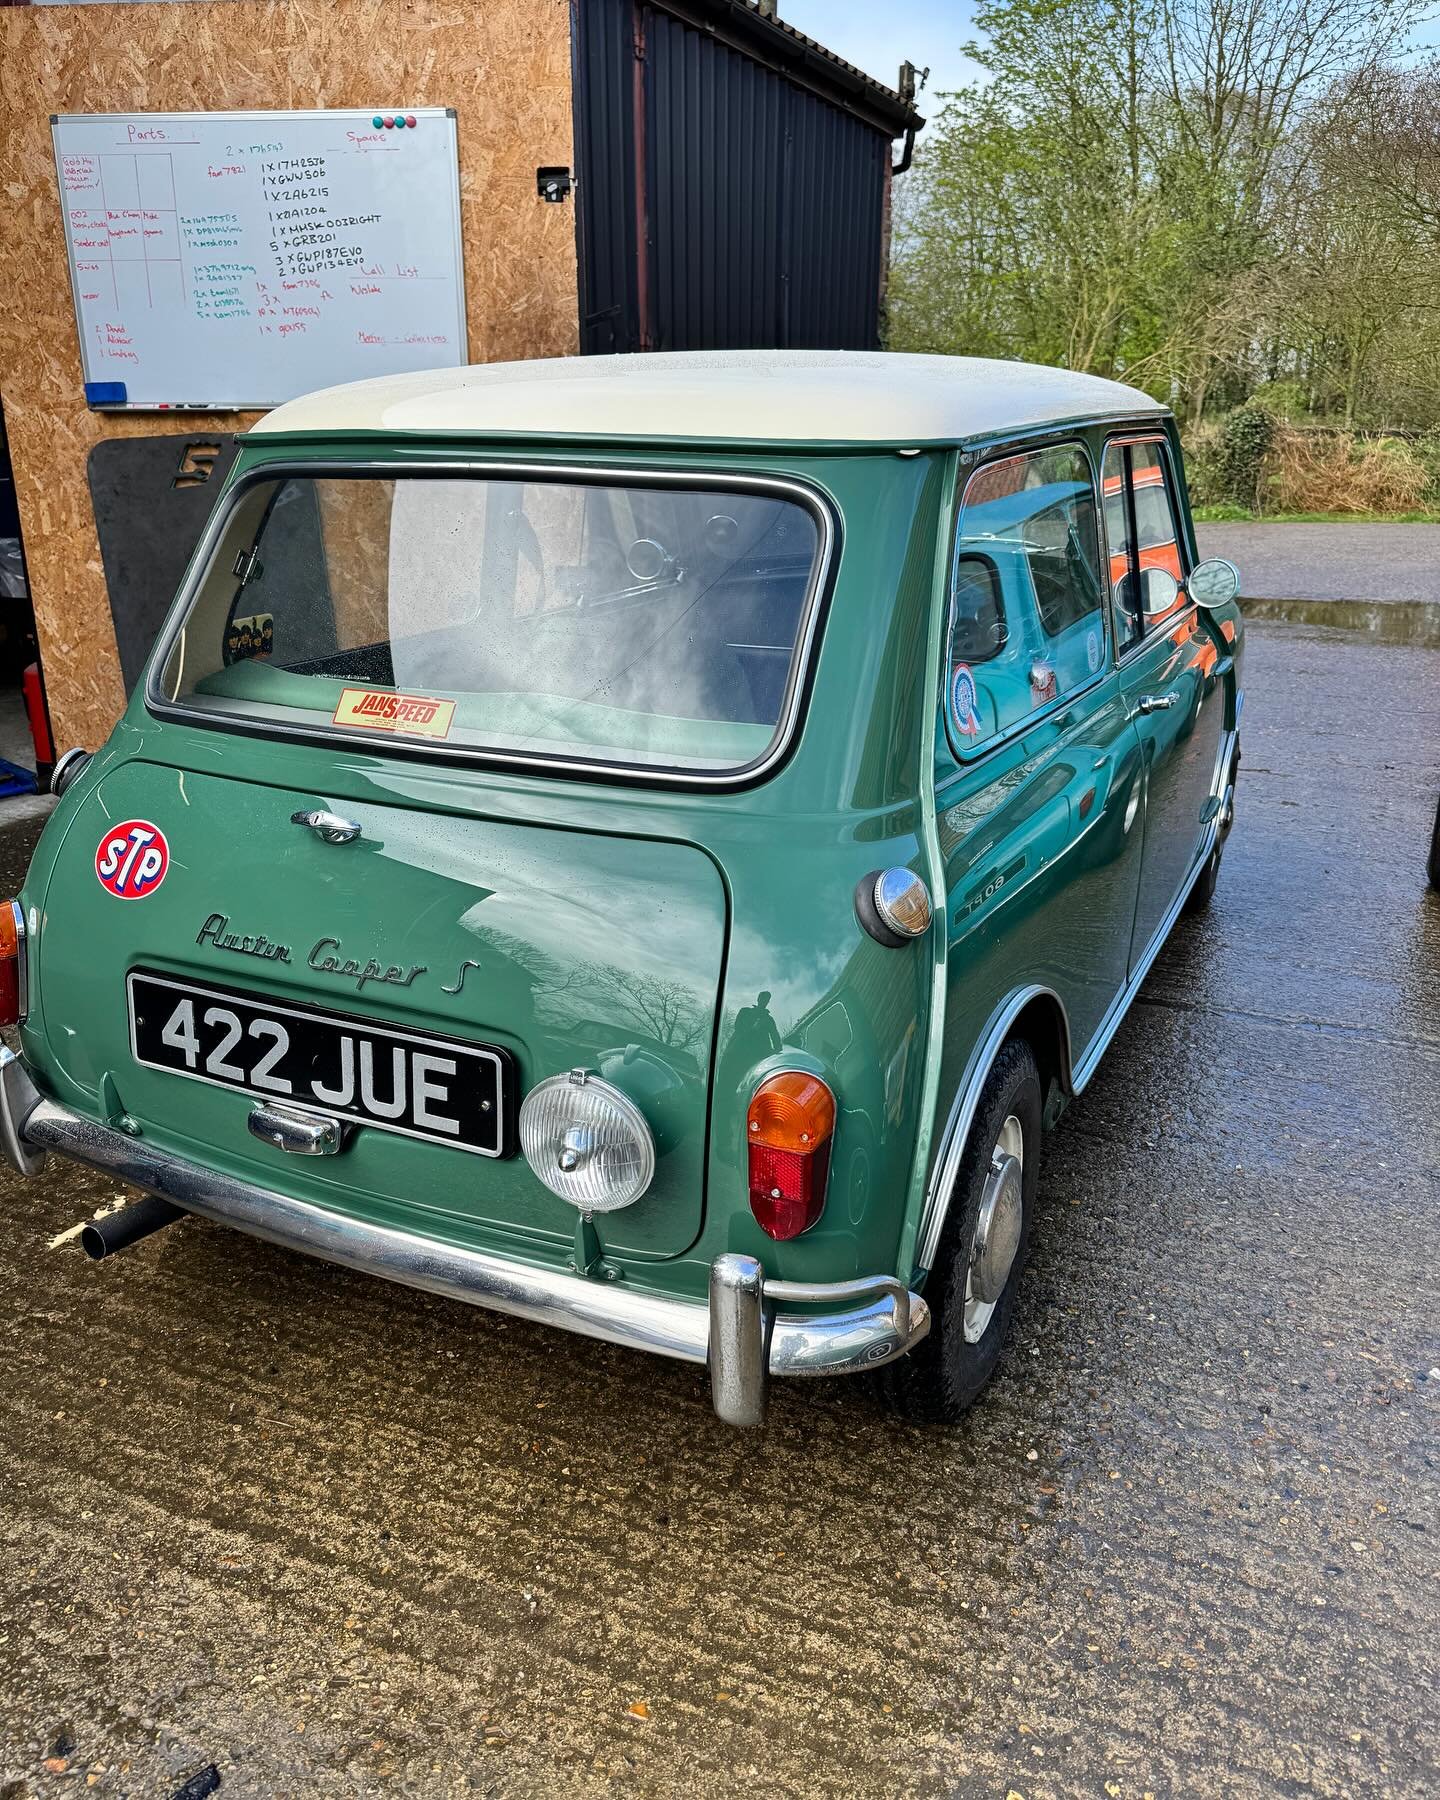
point(647, 844)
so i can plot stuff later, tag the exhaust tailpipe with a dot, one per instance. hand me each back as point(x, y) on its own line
point(119, 1230)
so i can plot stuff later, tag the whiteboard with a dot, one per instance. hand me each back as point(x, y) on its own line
point(229, 261)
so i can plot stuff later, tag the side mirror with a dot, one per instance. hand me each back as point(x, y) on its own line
point(1213, 583)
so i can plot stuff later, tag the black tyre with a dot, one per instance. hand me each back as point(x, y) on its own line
point(1435, 851)
point(971, 1290)
point(1203, 891)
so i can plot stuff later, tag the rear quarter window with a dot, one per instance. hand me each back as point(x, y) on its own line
point(1027, 611)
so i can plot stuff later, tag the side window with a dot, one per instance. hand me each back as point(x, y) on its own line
point(1027, 608)
point(1143, 538)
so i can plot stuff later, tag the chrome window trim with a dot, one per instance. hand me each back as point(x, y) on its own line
point(1190, 608)
point(819, 505)
point(1007, 452)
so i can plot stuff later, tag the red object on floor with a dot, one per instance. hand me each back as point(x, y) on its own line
point(39, 724)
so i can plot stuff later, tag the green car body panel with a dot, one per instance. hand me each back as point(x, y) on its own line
point(684, 942)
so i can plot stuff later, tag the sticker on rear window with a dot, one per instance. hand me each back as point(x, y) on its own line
point(132, 859)
point(964, 700)
point(251, 636)
point(381, 710)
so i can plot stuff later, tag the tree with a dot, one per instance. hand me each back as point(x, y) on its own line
point(1354, 294)
point(1133, 186)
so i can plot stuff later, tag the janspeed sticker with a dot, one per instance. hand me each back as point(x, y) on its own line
point(379, 709)
point(964, 701)
point(132, 859)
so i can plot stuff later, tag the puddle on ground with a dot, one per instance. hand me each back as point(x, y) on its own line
point(1388, 621)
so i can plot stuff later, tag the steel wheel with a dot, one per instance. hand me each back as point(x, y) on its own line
point(998, 1225)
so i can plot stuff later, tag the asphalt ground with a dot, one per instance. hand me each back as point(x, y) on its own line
point(339, 1538)
point(1329, 562)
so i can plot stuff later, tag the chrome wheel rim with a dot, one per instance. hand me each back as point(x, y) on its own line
point(996, 1239)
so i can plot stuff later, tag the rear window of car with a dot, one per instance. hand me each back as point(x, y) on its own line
point(640, 626)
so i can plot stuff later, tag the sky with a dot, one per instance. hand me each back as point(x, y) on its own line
point(878, 38)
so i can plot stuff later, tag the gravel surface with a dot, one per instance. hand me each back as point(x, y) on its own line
point(1330, 562)
point(339, 1538)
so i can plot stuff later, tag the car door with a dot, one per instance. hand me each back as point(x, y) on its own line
point(1171, 673)
point(1037, 790)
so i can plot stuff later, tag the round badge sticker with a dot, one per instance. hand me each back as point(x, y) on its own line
point(132, 859)
point(964, 701)
point(1092, 649)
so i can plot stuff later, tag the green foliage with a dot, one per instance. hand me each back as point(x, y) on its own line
point(1244, 442)
point(1426, 451)
point(1202, 467)
point(1190, 197)
point(1282, 399)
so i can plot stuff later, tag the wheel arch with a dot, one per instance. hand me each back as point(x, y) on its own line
point(1035, 1014)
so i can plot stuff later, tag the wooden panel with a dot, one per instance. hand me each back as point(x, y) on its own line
point(504, 65)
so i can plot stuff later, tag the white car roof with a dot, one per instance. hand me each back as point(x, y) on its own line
point(721, 396)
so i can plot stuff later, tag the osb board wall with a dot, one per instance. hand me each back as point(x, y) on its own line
point(504, 65)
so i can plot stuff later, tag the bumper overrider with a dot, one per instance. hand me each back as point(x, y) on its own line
point(742, 1335)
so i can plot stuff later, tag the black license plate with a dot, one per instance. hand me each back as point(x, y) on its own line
point(411, 1082)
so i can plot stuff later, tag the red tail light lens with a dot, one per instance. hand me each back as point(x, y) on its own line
point(789, 1125)
point(12, 963)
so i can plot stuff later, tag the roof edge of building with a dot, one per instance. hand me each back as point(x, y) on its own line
point(772, 41)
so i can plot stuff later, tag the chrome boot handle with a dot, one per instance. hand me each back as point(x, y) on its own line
point(328, 825)
point(301, 1133)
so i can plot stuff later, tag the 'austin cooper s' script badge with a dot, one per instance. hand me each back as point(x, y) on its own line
point(325, 959)
point(325, 956)
point(217, 933)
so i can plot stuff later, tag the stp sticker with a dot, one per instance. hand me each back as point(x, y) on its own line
point(382, 710)
point(964, 701)
point(132, 859)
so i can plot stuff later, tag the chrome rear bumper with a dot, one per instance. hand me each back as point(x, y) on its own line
point(741, 1334)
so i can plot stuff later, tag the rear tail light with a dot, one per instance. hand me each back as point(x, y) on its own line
point(13, 996)
point(789, 1125)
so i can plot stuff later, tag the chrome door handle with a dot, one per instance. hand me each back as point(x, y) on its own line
point(301, 1133)
point(327, 825)
point(1151, 703)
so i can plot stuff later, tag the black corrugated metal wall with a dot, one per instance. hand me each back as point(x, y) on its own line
point(747, 213)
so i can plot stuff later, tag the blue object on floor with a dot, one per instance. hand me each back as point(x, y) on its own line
point(15, 780)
